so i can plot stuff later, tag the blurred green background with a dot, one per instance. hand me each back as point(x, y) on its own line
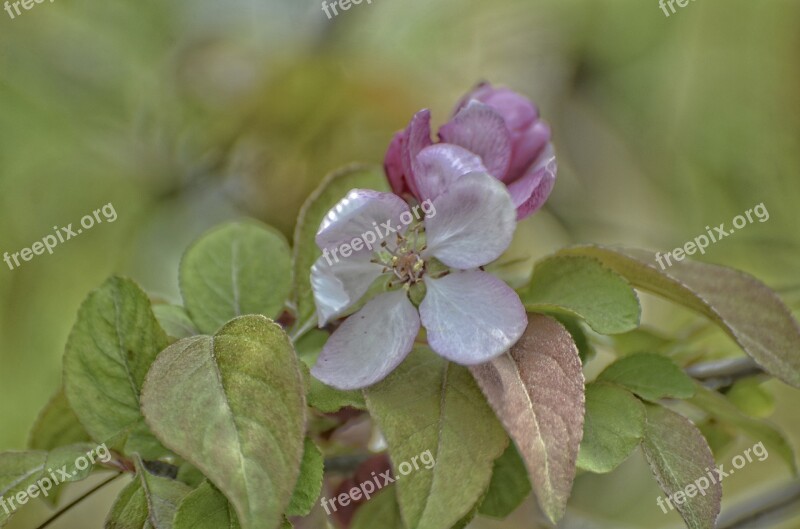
point(183, 114)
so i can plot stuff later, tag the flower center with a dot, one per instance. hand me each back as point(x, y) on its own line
point(404, 259)
point(408, 266)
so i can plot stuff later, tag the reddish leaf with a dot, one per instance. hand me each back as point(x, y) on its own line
point(536, 389)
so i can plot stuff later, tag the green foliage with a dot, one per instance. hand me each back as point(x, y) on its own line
point(333, 188)
point(509, 486)
point(381, 511)
point(309, 483)
point(750, 396)
point(206, 508)
point(56, 425)
point(721, 409)
point(235, 269)
point(65, 457)
point(18, 471)
point(613, 428)
point(745, 308)
point(175, 321)
point(641, 340)
point(233, 406)
point(679, 456)
point(650, 376)
point(109, 351)
point(147, 502)
point(448, 416)
point(130, 510)
point(583, 287)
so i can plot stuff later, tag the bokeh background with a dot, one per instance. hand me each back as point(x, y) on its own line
point(186, 113)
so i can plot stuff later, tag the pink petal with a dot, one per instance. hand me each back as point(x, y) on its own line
point(528, 146)
point(472, 222)
point(393, 164)
point(517, 110)
point(478, 128)
point(440, 165)
point(417, 136)
point(360, 212)
point(471, 317)
point(370, 343)
point(531, 191)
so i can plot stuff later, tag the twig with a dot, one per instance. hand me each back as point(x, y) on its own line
point(78, 500)
point(752, 514)
point(723, 373)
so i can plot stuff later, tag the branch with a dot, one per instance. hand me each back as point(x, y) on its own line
point(763, 511)
point(723, 373)
point(78, 500)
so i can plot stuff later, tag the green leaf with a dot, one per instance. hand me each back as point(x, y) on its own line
point(583, 287)
point(332, 189)
point(752, 398)
point(536, 389)
point(509, 486)
point(175, 321)
point(382, 511)
point(235, 269)
point(107, 356)
point(744, 307)
point(56, 425)
point(18, 472)
point(651, 376)
point(147, 502)
point(206, 508)
point(190, 475)
point(130, 510)
point(641, 340)
point(309, 483)
point(443, 413)
point(163, 496)
point(233, 406)
point(614, 427)
point(724, 411)
point(679, 456)
point(66, 458)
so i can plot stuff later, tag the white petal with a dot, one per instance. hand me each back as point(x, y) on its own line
point(473, 224)
point(370, 343)
point(362, 212)
point(338, 285)
point(471, 317)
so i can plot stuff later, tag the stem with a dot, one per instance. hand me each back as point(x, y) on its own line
point(78, 500)
point(723, 373)
point(344, 464)
point(307, 326)
point(772, 505)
